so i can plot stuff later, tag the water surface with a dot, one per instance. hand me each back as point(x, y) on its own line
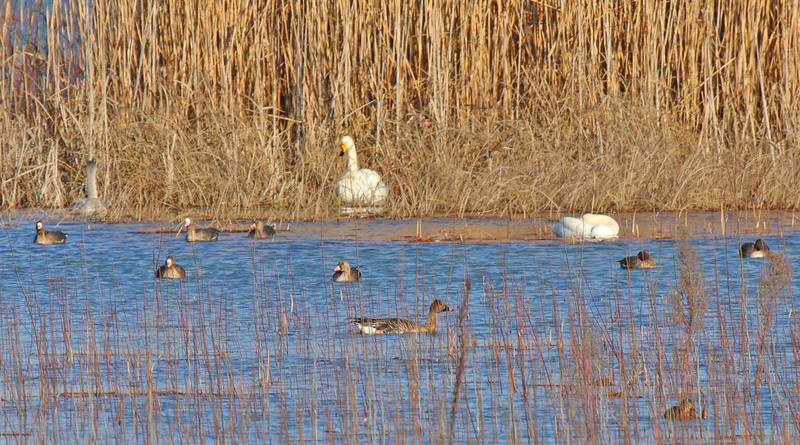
point(551, 341)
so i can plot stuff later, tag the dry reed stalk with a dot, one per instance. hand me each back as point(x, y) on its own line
point(482, 94)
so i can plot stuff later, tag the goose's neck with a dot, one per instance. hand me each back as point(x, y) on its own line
point(352, 159)
point(91, 180)
point(430, 324)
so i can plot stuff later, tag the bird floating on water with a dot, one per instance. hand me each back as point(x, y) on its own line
point(170, 270)
point(758, 249)
point(343, 273)
point(51, 237)
point(641, 260)
point(194, 234)
point(400, 325)
point(258, 230)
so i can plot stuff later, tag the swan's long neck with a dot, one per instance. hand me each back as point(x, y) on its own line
point(352, 159)
point(91, 179)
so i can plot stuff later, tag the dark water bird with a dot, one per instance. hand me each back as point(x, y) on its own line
point(758, 249)
point(194, 234)
point(170, 269)
point(686, 410)
point(343, 273)
point(90, 206)
point(45, 237)
point(400, 325)
point(258, 230)
point(641, 260)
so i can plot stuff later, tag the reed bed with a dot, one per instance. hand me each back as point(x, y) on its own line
point(485, 107)
point(191, 362)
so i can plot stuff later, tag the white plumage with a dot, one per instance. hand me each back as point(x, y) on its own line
point(589, 226)
point(359, 185)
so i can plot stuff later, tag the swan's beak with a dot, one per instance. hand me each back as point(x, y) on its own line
point(344, 150)
point(449, 309)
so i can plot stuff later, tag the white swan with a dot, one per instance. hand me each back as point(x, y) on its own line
point(359, 185)
point(90, 206)
point(589, 226)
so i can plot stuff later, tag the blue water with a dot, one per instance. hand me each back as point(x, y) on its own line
point(254, 345)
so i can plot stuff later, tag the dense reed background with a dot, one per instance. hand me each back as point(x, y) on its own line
point(487, 107)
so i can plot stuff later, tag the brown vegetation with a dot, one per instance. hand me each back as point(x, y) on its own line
point(464, 107)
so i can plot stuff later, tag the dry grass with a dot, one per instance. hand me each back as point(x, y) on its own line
point(484, 108)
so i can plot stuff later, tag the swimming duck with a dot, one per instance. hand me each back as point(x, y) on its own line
point(359, 185)
point(44, 237)
point(170, 270)
point(258, 230)
point(194, 234)
point(343, 273)
point(90, 206)
point(757, 250)
point(588, 226)
point(684, 411)
point(641, 260)
point(400, 325)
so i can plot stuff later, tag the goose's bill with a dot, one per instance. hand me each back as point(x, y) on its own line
point(337, 268)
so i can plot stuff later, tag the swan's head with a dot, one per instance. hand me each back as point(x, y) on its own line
point(347, 144)
point(170, 261)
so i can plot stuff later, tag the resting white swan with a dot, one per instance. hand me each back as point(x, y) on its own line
point(589, 226)
point(359, 185)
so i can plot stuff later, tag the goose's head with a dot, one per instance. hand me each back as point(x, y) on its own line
point(644, 256)
point(170, 261)
point(439, 306)
point(39, 225)
point(343, 266)
point(761, 245)
point(187, 222)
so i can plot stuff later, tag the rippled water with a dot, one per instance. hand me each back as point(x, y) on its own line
point(255, 344)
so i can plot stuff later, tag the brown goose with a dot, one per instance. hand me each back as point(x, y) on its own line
point(400, 325)
point(170, 270)
point(757, 250)
point(684, 411)
point(44, 237)
point(642, 260)
point(194, 234)
point(258, 230)
point(343, 273)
